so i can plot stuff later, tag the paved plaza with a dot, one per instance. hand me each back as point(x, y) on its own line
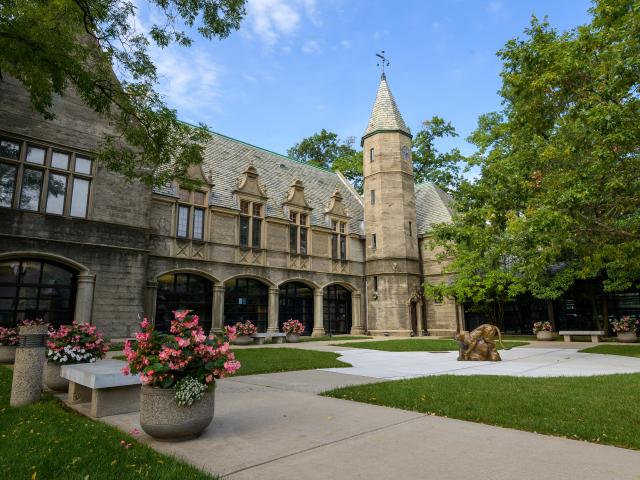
point(519, 362)
point(275, 426)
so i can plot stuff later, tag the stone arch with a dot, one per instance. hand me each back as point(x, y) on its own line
point(78, 299)
point(180, 289)
point(346, 285)
point(193, 271)
point(310, 283)
point(264, 280)
point(79, 267)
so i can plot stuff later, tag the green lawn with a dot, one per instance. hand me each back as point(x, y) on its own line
point(339, 338)
point(415, 345)
point(624, 350)
point(47, 440)
point(271, 360)
point(600, 409)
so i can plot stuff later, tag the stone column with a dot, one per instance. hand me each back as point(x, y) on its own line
point(28, 368)
point(150, 296)
point(274, 303)
point(357, 327)
point(84, 298)
point(217, 315)
point(318, 313)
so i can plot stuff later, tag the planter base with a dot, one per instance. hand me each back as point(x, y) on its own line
point(7, 353)
point(163, 419)
point(627, 337)
point(52, 378)
point(544, 336)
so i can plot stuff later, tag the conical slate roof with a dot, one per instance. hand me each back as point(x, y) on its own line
point(385, 114)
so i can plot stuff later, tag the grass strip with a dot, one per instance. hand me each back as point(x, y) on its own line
point(414, 345)
point(271, 360)
point(47, 440)
point(601, 409)
point(624, 350)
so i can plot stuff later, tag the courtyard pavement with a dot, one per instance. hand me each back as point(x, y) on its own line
point(521, 362)
point(275, 426)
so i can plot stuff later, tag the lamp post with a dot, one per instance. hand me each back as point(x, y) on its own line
point(28, 368)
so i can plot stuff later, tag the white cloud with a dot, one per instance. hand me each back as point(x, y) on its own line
point(271, 20)
point(189, 79)
point(311, 47)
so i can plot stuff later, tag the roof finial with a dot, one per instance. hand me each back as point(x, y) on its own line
point(384, 62)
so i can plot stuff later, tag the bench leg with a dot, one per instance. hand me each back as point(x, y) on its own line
point(595, 338)
point(567, 338)
point(114, 401)
point(78, 394)
point(258, 341)
point(277, 340)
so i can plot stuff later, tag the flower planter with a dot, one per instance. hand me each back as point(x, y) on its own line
point(52, 379)
point(7, 353)
point(163, 419)
point(627, 337)
point(293, 337)
point(544, 335)
point(243, 340)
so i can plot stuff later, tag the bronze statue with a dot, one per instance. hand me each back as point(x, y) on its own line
point(479, 345)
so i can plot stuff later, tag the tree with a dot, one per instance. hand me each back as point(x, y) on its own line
point(444, 169)
point(325, 149)
point(557, 200)
point(52, 46)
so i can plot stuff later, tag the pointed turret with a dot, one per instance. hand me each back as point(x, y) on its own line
point(385, 116)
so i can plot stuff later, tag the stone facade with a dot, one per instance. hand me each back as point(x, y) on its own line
point(260, 218)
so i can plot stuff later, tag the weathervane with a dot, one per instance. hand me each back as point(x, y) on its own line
point(384, 62)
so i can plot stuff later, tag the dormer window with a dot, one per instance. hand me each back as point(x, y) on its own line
point(298, 233)
point(191, 214)
point(339, 240)
point(250, 224)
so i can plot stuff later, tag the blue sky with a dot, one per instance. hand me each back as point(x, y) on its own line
point(297, 66)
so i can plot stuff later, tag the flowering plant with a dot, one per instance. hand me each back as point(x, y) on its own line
point(167, 360)
point(542, 327)
point(246, 328)
point(292, 326)
point(76, 343)
point(9, 337)
point(625, 324)
point(31, 323)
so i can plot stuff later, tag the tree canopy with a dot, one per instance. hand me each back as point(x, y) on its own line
point(325, 149)
point(93, 47)
point(558, 196)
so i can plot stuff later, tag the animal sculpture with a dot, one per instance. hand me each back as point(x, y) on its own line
point(479, 345)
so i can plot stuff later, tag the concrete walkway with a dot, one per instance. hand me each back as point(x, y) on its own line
point(521, 362)
point(277, 427)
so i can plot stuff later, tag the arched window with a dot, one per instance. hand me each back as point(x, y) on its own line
point(296, 301)
point(337, 309)
point(246, 299)
point(32, 288)
point(183, 291)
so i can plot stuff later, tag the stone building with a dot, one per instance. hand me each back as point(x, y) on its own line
point(265, 238)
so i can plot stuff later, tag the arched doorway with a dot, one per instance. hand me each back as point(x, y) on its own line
point(296, 301)
point(183, 291)
point(337, 310)
point(31, 288)
point(246, 299)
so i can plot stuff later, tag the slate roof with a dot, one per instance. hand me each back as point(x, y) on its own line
point(385, 114)
point(433, 205)
point(226, 159)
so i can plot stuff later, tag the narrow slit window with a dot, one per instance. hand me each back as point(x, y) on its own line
point(374, 241)
point(371, 155)
point(373, 197)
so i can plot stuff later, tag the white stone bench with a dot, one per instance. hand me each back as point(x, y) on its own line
point(259, 338)
point(104, 385)
point(594, 334)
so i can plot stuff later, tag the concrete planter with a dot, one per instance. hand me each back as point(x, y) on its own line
point(243, 340)
point(7, 353)
point(627, 337)
point(545, 336)
point(52, 379)
point(293, 337)
point(163, 419)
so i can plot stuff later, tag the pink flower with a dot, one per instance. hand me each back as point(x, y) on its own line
point(182, 342)
point(125, 370)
